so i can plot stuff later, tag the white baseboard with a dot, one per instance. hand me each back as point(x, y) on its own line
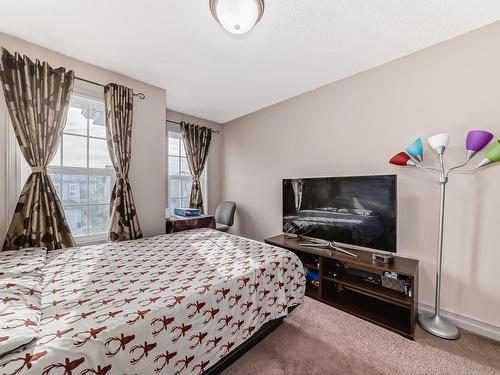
point(472, 325)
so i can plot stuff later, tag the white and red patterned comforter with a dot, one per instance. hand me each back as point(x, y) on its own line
point(171, 304)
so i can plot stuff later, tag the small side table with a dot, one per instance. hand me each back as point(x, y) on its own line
point(179, 223)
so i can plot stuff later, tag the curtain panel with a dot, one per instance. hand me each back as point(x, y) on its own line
point(119, 104)
point(197, 143)
point(37, 98)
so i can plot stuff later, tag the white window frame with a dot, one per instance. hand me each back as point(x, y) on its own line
point(93, 238)
point(9, 170)
point(204, 177)
point(14, 168)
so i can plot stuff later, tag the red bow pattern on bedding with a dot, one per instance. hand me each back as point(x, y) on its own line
point(172, 304)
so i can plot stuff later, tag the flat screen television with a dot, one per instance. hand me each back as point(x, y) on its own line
point(355, 212)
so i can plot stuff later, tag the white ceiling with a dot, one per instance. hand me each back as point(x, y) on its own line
point(298, 45)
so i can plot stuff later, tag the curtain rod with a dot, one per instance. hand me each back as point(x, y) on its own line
point(178, 123)
point(139, 94)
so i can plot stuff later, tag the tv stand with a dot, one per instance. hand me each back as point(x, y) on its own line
point(341, 286)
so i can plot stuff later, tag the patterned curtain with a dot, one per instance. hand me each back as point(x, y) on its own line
point(119, 102)
point(37, 98)
point(196, 142)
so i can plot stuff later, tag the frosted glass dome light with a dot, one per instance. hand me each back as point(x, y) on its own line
point(237, 16)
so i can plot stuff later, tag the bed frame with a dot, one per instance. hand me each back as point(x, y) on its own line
point(260, 334)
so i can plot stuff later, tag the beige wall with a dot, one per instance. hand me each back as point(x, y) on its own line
point(147, 171)
point(354, 126)
point(214, 158)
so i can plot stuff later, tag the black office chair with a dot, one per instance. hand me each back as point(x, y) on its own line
point(224, 215)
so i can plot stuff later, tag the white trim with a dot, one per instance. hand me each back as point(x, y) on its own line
point(12, 170)
point(472, 325)
point(92, 239)
point(84, 171)
point(4, 171)
point(205, 184)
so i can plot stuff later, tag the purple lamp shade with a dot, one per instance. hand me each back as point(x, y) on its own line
point(476, 141)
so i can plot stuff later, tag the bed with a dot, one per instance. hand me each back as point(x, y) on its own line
point(172, 304)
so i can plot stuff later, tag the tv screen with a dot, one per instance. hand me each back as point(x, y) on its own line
point(354, 211)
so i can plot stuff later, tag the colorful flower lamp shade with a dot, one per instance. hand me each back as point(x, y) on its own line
point(416, 150)
point(402, 159)
point(476, 141)
point(492, 154)
point(439, 142)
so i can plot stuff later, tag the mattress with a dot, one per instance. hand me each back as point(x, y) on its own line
point(170, 304)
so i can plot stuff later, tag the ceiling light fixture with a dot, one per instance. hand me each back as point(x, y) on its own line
point(237, 16)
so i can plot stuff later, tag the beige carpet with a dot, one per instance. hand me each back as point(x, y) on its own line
point(318, 339)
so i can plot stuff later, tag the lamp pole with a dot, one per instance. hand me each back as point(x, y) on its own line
point(436, 324)
point(413, 157)
point(442, 194)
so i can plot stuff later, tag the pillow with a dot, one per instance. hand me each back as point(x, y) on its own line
point(21, 279)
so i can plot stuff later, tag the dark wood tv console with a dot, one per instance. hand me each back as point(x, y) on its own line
point(339, 288)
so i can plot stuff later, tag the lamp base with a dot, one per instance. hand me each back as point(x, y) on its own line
point(438, 326)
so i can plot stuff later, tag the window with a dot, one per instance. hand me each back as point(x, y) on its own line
point(82, 172)
point(179, 175)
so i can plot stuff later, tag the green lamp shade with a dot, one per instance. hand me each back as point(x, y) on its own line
point(492, 154)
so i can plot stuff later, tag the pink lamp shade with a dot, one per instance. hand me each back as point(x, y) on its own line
point(476, 141)
point(402, 159)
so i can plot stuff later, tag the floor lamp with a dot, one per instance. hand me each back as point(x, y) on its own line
point(414, 157)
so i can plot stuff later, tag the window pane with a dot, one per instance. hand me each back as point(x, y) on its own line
point(173, 146)
point(77, 219)
point(56, 180)
point(76, 122)
point(56, 161)
point(74, 189)
point(173, 165)
point(185, 167)
point(185, 203)
point(175, 188)
point(98, 154)
point(99, 189)
point(183, 151)
point(176, 203)
point(97, 125)
point(98, 219)
point(85, 197)
point(186, 189)
point(74, 151)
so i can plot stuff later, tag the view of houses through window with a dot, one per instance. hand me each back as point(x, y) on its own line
point(82, 172)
